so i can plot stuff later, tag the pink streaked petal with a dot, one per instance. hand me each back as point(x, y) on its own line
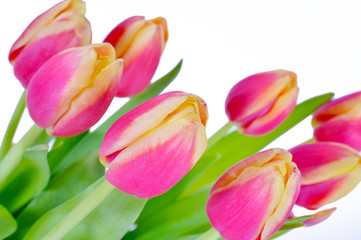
point(162, 22)
point(244, 98)
point(139, 121)
point(286, 204)
point(256, 160)
point(45, 113)
point(141, 61)
point(38, 23)
point(316, 166)
point(41, 50)
point(171, 145)
point(275, 116)
point(239, 212)
point(319, 217)
point(90, 106)
point(337, 107)
point(342, 130)
point(121, 36)
point(317, 195)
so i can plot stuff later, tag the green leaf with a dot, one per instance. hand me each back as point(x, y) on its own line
point(28, 179)
point(111, 219)
point(7, 223)
point(291, 224)
point(184, 217)
point(61, 146)
point(65, 185)
point(229, 150)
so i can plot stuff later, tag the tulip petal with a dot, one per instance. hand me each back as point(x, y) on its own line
point(256, 193)
point(319, 217)
point(121, 36)
point(260, 102)
point(322, 161)
point(38, 23)
point(289, 197)
point(41, 49)
point(139, 121)
point(65, 85)
point(280, 110)
point(256, 160)
point(173, 145)
point(342, 130)
point(317, 195)
point(90, 106)
point(144, 53)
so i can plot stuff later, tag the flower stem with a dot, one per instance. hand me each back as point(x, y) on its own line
point(13, 157)
point(211, 234)
point(219, 134)
point(80, 211)
point(13, 124)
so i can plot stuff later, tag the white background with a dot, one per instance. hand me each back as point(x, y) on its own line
point(221, 43)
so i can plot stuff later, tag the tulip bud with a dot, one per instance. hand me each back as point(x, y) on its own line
point(140, 43)
point(255, 197)
point(73, 89)
point(340, 121)
point(329, 172)
point(259, 103)
point(153, 146)
point(62, 26)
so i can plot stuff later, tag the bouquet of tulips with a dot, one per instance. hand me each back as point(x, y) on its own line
point(149, 171)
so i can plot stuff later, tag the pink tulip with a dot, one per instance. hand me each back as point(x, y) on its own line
point(329, 172)
point(62, 26)
point(255, 197)
point(340, 121)
point(153, 146)
point(73, 89)
point(140, 43)
point(259, 103)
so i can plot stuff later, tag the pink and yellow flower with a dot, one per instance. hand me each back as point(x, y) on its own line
point(259, 103)
point(62, 26)
point(255, 197)
point(73, 89)
point(329, 172)
point(140, 43)
point(340, 121)
point(153, 146)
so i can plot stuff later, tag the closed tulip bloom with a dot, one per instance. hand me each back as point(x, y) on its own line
point(255, 197)
point(259, 103)
point(140, 43)
point(153, 146)
point(340, 121)
point(62, 26)
point(329, 172)
point(73, 89)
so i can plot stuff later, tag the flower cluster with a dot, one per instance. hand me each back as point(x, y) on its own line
point(156, 146)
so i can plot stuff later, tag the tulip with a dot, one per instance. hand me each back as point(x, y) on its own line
point(62, 26)
point(255, 197)
point(153, 146)
point(329, 172)
point(340, 121)
point(259, 103)
point(73, 89)
point(140, 43)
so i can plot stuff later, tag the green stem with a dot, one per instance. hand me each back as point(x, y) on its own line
point(81, 211)
point(13, 124)
point(211, 234)
point(13, 157)
point(219, 134)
